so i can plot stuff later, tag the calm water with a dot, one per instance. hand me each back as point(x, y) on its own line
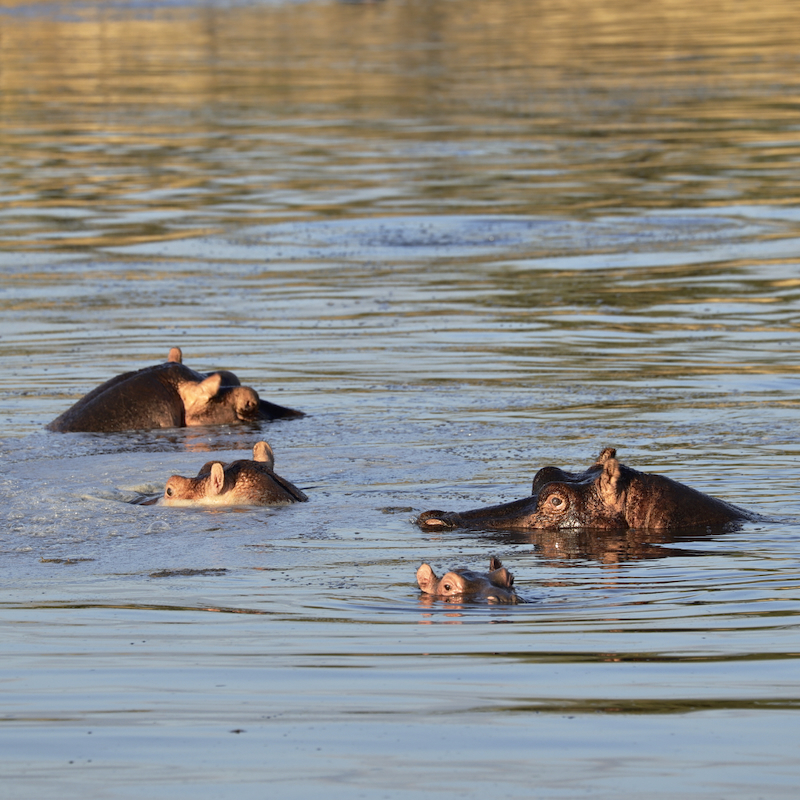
point(469, 239)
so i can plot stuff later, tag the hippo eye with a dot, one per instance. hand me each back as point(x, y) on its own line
point(448, 587)
point(169, 491)
point(556, 501)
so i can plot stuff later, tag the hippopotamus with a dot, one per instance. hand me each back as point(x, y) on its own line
point(606, 496)
point(495, 586)
point(168, 395)
point(240, 483)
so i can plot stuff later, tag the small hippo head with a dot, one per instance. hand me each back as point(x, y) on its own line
point(244, 483)
point(461, 585)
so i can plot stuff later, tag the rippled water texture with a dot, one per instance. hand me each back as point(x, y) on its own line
point(468, 239)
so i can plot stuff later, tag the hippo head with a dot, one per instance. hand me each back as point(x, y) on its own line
point(459, 585)
point(220, 399)
point(210, 402)
point(606, 496)
point(244, 483)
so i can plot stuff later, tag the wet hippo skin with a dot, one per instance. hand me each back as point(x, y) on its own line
point(246, 482)
point(168, 395)
point(459, 585)
point(607, 496)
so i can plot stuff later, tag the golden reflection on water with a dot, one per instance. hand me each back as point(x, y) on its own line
point(445, 379)
point(145, 123)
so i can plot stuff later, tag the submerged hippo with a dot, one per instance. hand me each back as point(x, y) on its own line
point(168, 395)
point(240, 483)
point(495, 586)
point(607, 496)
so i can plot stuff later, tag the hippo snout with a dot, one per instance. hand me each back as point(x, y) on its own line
point(268, 411)
point(438, 521)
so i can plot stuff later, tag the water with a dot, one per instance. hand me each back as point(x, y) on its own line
point(468, 239)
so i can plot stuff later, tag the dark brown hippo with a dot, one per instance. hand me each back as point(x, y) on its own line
point(239, 483)
point(168, 395)
point(607, 496)
point(495, 586)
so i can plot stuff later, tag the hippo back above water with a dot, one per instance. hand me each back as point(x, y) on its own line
point(168, 395)
point(607, 496)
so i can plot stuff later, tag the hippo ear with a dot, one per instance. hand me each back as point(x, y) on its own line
point(426, 579)
point(499, 575)
point(609, 482)
point(216, 479)
point(175, 355)
point(195, 395)
point(263, 452)
point(209, 387)
point(606, 454)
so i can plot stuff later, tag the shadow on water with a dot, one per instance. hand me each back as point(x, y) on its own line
point(607, 547)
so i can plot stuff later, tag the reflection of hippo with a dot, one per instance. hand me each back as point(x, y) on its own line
point(168, 395)
point(240, 483)
point(496, 586)
point(607, 496)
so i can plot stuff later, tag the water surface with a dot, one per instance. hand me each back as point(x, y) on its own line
point(468, 239)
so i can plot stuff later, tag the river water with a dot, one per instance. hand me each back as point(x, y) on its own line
point(468, 239)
